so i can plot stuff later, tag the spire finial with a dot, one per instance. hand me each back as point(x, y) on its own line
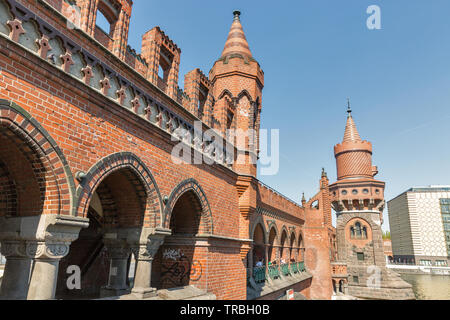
point(303, 197)
point(349, 110)
point(236, 44)
point(324, 173)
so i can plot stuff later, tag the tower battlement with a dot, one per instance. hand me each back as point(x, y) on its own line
point(363, 146)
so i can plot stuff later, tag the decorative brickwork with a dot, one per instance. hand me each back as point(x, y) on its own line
point(40, 155)
point(359, 203)
point(136, 173)
point(191, 185)
point(92, 140)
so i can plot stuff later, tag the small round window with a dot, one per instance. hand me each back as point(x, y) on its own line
point(377, 191)
point(355, 191)
point(344, 192)
point(366, 191)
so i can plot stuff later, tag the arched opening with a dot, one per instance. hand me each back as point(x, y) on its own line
point(358, 231)
point(24, 178)
point(24, 181)
point(284, 249)
point(28, 190)
point(177, 263)
point(272, 243)
point(301, 249)
point(259, 247)
point(292, 249)
point(341, 286)
point(185, 218)
point(117, 205)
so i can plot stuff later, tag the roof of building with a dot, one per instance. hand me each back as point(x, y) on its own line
point(351, 133)
point(432, 188)
point(236, 42)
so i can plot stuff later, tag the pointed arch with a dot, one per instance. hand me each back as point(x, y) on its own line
point(193, 186)
point(272, 226)
point(259, 221)
point(56, 180)
point(114, 163)
point(224, 93)
point(245, 93)
point(292, 238)
point(300, 240)
point(284, 231)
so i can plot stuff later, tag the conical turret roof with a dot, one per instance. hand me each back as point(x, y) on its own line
point(351, 133)
point(236, 42)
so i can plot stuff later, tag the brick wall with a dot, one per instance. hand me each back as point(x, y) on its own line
point(72, 128)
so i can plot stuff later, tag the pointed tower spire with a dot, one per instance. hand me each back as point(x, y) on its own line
point(351, 133)
point(236, 42)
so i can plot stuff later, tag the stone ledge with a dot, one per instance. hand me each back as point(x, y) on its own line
point(257, 290)
point(182, 293)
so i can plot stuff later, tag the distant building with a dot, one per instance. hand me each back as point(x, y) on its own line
point(387, 248)
point(420, 226)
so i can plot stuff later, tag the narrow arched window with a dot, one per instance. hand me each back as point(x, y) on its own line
point(358, 230)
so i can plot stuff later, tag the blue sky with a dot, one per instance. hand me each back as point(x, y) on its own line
point(317, 53)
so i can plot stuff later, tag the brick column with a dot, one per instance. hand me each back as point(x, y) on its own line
point(88, 15)
point(172, 81)
point(120, 35)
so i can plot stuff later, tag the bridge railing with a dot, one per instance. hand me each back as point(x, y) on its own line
point(274, 272)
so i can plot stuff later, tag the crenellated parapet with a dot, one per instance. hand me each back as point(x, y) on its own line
point(107, 76)
point(163, 57)
point(198, 87)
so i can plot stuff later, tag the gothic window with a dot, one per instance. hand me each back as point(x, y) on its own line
point(230, 117)
point(358, 232)
point(103, 23)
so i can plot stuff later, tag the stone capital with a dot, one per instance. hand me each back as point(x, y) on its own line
point(13, 249)
point(147, 251)
point(47, 250)
point(118, 251)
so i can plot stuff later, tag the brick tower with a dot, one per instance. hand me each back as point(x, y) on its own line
point(237, 81)
point(358, 199)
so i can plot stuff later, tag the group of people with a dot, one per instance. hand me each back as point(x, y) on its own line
point(260, 262)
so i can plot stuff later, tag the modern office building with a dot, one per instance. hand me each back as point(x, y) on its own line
point(420, 226)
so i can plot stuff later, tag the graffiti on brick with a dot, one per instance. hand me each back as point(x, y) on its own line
point(178, 270)
point(172, 254)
